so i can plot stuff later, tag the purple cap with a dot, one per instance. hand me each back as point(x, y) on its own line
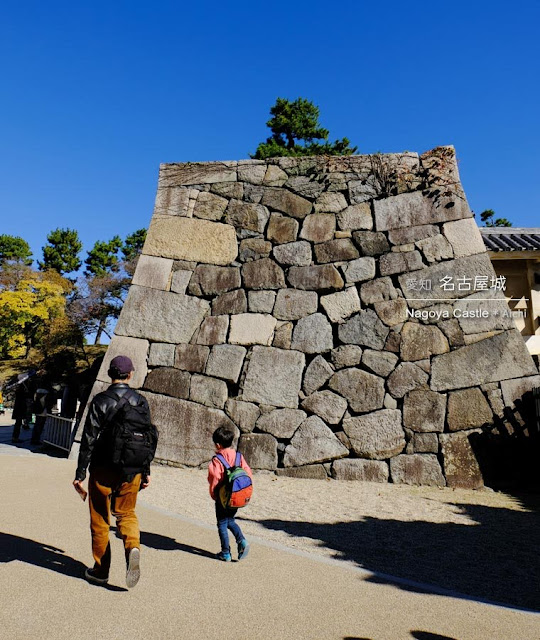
point(122, 364)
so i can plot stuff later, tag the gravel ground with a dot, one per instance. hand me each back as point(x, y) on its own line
point(481, 543)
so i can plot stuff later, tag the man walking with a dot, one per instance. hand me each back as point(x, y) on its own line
point(116, 416)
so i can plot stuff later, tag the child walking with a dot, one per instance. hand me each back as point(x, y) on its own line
point(223, 439)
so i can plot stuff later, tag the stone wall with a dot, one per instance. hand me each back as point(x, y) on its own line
point(289, 299)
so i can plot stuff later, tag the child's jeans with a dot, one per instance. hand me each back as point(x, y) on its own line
point(225, 520)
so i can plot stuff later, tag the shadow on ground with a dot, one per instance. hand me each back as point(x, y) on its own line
point(496, 558)
point(43, 555)
point(166, 543)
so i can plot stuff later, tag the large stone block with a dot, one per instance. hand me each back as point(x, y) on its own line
point(371, 243)
point(483, 311)
point(231, 303)
point(425, 443)
point(187, 173)
point(419, 341)
point(281, 423)
point(378, 435)
point(191, 357)
point(347, 355)
point(364, 391)
point(392, 312)
point(226, 362)
point(327, 405)
point(465, 237)
point(315, 277)
point(179, 280)
point(361, 470)
point(501, 357)
point(336, 251)
point(461, 467)
point(378, 291)
point(135, 349)
point(243, 414)
point(263, 274)
point(518, 389)
point(274, 377)
point(409, 235)
point(313, 334)
point(254, 249)
point(341, 305)
point(448, 280)
point(260, 449)
point(261, 301)
point(417, 470)
point(153, 272)
point(169, 381)
point(209, 206)
point(307, 472)
point(185, 429)
point(161, 316)
point(293, 304)
point(381, 363)
point(213, 330)
point(246, 215)
point(436, 248)
point(468, 409)
point(294, 253)
point(175, 201)
point(313, 442)
point(287, 202)
point(319, 227)
point(399, 262)
point(252, 171)
point(252, 328)
point(161, 355)
point(330, 203)
point(364, 329)
point(412, 209)
point(306, 186)
point(357, 216)
point(359, 270)
point(274, 176)
point(191, 239)
point(406, 377)
point(282, 229)
point(208, 391)
point(424, 411)
point(215, 280)
point(317, 374)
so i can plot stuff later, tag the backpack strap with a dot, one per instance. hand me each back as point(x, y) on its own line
point(120, 402)
point(238, 461)
point(224, 462)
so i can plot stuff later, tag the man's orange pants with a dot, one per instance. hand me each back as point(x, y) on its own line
point(108, 492)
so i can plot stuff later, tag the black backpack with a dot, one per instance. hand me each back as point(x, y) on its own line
point(129, 437)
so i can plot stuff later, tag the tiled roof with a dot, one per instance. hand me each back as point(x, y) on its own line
point(511, 238)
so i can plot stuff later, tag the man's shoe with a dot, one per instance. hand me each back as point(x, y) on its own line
point(92, 578)
point(224, 556)
point(16, 440)
point(243, 549)
point(133, 572)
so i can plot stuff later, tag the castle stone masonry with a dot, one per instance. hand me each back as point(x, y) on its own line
point(339, 313)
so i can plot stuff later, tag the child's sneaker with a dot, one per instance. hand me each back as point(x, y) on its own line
point(224, 556)
point(243, 549)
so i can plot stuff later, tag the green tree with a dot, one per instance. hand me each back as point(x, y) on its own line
point(133, 244)
point(14, 250)
point(103, 258)
point(488, 217)
point(296, 132)
point(62, 252)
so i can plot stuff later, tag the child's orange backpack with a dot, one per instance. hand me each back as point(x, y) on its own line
point(237, 489)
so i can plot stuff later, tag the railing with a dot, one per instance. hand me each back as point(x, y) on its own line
point(59, 432)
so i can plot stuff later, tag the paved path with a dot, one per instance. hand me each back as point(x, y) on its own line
point(185, 593)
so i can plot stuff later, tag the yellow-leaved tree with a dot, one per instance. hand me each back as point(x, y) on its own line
point(29, 304)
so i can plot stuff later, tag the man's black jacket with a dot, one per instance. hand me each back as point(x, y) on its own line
point(100, 406)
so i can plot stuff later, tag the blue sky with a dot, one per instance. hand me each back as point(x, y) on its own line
point(94, 96)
